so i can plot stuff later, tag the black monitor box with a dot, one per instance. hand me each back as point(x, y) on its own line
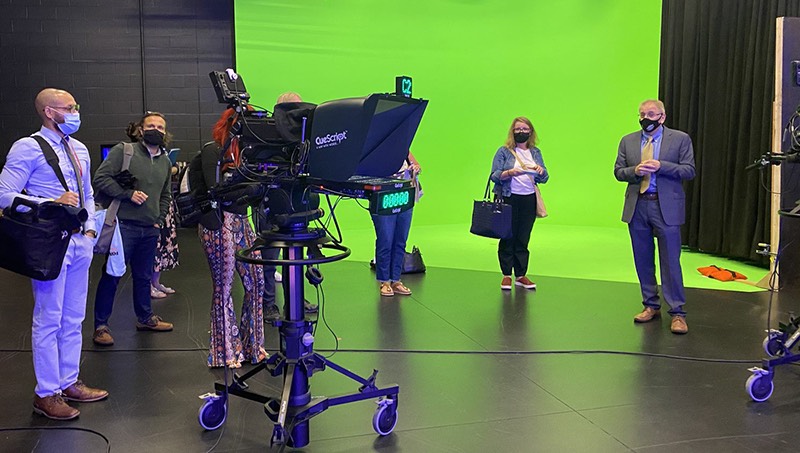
point(260, 141)
point(229, 87)
point(367, 136)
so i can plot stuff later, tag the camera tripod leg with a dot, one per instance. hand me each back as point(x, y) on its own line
point(295, 393)
point(279, 430)
point(287, 390)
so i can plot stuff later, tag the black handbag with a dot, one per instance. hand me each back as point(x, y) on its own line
point(34, 242)
point(412, 262)
point(491, 219)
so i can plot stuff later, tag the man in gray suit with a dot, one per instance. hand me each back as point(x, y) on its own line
point(654, 162)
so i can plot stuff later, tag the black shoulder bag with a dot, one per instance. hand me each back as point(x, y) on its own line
point(34, 242)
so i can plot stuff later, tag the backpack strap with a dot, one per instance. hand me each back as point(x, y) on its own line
point(111, 213)
point(51, 158)
point(126, 159)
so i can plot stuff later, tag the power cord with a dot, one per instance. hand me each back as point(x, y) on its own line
point(444, 352)
point(548, 352)
point(325, 321)
point(56, 428)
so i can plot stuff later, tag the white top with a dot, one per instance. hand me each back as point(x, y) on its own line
point(523, 184)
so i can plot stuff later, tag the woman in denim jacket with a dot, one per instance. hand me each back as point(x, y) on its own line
point(516, 170)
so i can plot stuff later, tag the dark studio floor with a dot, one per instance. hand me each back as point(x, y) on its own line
point(479, 370)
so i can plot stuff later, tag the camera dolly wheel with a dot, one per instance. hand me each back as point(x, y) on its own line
point(759, 385)
point(773, 343)
point(213, 412)
point(385, 418)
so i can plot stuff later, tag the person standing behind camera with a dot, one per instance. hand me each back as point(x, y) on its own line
point(142, 211)
point(391, 234)
point(517, 168)
point(59, 305)
point(654, 162)
point(223, 232)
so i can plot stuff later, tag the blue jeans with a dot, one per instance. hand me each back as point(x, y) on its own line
point(139, 243)
point(391, 234)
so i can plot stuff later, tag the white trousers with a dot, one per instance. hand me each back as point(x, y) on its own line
point(58, 311)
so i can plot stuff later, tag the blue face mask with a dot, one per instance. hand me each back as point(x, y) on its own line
point(71, 124)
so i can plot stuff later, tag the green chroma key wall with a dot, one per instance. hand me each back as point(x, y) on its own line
point(577, 68)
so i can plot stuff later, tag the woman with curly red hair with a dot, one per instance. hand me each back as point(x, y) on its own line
point(222, 233)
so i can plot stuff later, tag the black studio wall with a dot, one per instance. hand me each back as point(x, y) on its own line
point(118, 58)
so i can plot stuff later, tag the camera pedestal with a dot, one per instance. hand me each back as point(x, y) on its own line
point(296, 361)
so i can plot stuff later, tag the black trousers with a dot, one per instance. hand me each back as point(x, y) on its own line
point(513, 253)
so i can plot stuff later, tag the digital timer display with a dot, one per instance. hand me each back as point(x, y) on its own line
point(393, 202)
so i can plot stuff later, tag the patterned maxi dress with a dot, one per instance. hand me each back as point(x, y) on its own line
point(167, 249)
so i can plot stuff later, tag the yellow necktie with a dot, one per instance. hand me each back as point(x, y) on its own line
point(647, 154)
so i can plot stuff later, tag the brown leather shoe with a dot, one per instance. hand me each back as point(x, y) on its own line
point(679, 325)
point(155, 324)
point(102, 336)
point(647, 315)
point(54, 407)
point(505, 284)
point(525, 282)
point(400, 288)
point(80, 392)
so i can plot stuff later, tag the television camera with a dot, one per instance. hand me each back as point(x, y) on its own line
point(286, 160)
point(791, 133)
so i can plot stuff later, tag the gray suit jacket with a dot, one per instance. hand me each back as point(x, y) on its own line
point(677, 164)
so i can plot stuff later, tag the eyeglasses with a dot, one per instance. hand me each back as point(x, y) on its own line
point(522, 129)
point(70, 108)
point(651, 115)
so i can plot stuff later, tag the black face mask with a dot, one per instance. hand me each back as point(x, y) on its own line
point(649, 125)
point(521, 137)
point(153, 137)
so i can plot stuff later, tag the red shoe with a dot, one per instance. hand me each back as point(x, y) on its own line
point(505, 284)
point(525, 282)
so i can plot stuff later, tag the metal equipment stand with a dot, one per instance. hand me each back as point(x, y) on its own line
point(778, 345)
point(290, 412)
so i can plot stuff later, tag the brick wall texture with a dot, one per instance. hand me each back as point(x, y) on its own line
point(118, 58)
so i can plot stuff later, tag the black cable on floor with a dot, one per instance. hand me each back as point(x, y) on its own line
point(54, 428)
point(444, 352)
point(551, 352)
point(219, 439)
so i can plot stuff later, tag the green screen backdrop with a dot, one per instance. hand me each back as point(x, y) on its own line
point(577, 68)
